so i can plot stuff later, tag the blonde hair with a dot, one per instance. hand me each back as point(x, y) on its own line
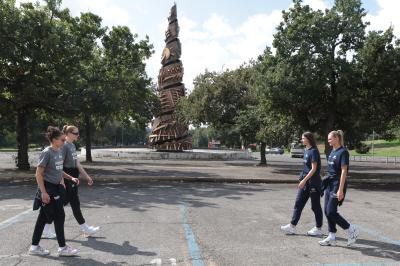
point(338, 134)
point(69, 128)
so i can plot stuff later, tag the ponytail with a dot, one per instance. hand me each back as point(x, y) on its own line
point(338, 134)
point(53, 133)
point(68, 129)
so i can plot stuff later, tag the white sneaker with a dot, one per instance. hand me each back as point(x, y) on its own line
point(352, 235)
point(288, 229)
point(315, 232)
point(90, 230)
point(67, 251)
point(328, 242)
point(38, 250)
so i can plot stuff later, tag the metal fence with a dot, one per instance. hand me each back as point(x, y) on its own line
point(376, 159)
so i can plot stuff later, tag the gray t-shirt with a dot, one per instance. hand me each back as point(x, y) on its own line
point(70, 156)
point(52, 161)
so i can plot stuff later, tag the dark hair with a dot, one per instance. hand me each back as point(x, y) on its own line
point(308, 135)
point(53, 133)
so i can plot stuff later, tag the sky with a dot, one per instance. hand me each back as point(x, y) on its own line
point(215, 34)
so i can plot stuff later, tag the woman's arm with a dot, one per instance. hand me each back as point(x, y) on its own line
point(40, 180)
point(73, 179)
point(309, 175)
point(340, 193)
point(84, 173)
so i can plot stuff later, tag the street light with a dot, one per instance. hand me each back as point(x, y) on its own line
point(373, 138)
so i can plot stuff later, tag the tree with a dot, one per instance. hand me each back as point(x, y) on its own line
point(48, 59)
point(312, 80)
point(217, 100)
point(36, 52)
point(200, 137)
point(378, 66)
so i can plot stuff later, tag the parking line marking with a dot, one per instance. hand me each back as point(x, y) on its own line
point(379, 236)
point(17, 218)
point(194, 249)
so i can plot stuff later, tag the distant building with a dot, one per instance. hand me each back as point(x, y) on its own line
point(214, 144)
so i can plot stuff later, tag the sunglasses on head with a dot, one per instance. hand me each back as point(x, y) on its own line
point(75, 133)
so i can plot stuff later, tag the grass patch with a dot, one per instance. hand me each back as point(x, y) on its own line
point(7, 149)
point(381, 148)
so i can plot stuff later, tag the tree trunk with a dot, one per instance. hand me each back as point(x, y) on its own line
point(331, 112)
point(329, 128)
point(22, 140)
point(88, 139)
point(263, 160)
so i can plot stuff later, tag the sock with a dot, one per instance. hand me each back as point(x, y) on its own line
point(33, 247)
point(84, 226)
point(332, 236)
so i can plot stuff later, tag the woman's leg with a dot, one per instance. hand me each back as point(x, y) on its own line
point(301, 200)
point(316, 207)
point(39, 226)
point(332, 214)
point(59, 219)
point(72, 195)
point(328, 209)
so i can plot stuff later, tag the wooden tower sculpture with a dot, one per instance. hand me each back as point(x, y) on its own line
point(168, 133)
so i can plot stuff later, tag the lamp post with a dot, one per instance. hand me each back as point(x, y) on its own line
point(373, 139)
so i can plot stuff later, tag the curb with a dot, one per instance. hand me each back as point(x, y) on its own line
point(209, 180)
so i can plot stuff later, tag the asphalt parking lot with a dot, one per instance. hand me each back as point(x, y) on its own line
point(201, 223)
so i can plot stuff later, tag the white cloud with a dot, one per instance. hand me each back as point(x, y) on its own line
point(189, 30)
point(386, 16)
point(218, 27)
point(254, 35)
point(111, 13)
point(316, 4)
point(216, 45)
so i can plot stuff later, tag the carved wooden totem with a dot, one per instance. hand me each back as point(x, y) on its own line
point(167, 133)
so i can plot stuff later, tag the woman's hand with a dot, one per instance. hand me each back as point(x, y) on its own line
point(75, 180)
point(89, 180)
point(302, 184)
point(340, 195)
point(45, 198)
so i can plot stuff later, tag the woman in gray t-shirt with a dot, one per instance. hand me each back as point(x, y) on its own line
point(49, 176)
point(72, 167)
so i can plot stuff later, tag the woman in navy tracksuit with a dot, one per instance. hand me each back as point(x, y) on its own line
point(309, 187)
point(335, 189)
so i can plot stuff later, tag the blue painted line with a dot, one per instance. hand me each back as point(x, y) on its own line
point(379, 236)
point(194, 249)
point(355, 264)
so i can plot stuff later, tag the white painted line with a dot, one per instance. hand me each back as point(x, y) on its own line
point(13, 207)
point(157, 261)
point(173, 261)
point(17, 218)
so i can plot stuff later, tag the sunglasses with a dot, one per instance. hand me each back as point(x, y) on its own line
point(75, 133)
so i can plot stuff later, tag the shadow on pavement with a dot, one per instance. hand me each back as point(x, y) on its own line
point(140, 196)
point(375, 248)
point(73, 261)
point(124, 249)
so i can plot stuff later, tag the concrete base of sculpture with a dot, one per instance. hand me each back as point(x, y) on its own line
point(149, 154)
